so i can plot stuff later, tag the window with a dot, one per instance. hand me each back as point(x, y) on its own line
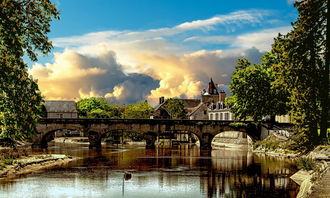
point(226, 116)
point(221, 117)
point(205, 112)
point(211, 116)
point(216, 116)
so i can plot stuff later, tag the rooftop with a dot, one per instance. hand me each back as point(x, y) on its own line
point(60, 106)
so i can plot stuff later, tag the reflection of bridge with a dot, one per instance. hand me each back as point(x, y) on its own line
point(96, 129)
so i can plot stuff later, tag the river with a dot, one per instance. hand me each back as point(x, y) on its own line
point(164, 172)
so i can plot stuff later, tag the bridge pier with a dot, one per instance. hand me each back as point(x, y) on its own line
point(150, 140)
point(205, 142)
point(94, 140)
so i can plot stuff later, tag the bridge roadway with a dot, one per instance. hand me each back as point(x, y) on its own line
point(96, 129)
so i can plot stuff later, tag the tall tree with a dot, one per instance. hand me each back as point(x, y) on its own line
point(325, 116)
point(23, 28)
point(303, 69)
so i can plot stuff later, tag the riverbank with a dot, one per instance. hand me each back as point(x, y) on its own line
point(315, 182)
point(27, 164)
point(275, 145)
point(314, 174)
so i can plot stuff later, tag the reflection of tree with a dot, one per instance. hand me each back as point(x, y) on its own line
point(225, 173)
point(240, 184)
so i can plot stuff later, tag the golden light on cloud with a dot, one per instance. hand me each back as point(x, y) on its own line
point(74, 75)
point(128, 66)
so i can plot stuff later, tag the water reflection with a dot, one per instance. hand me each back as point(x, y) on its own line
point(164, 172)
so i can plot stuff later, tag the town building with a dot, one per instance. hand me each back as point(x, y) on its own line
point(283, 118)
point(211, 106)
point(219, 110)
point(60, 109)
point(160, 111)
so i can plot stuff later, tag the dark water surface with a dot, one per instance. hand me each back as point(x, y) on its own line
point(176, 172)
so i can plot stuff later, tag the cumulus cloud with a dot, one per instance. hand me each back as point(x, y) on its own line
point(130, 66)
point(189, 73)
point(73, 76)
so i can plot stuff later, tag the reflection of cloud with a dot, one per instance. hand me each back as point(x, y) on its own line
point(73, 75)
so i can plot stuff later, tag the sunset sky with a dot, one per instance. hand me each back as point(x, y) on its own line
point(132, 50)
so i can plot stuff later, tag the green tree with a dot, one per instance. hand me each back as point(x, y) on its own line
point(176, 109)
point(140, 110)
point(302, 67)
point(23, 28)
point(97, 108)
point(252, 92)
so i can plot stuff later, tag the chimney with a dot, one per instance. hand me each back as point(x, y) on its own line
point(161, 100)
point(222, 96)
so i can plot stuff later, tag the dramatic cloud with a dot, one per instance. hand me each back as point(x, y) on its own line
point(74, 76)
point(130, 66)
point(188, 74)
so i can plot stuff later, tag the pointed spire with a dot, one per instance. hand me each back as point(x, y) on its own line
point(212, 88)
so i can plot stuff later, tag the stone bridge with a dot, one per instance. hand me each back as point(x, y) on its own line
point(96, 129)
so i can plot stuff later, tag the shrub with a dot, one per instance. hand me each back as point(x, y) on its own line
point(238, 124)
point(12, 153)
point(306, 163)
point(2, 166)
point(8, 161)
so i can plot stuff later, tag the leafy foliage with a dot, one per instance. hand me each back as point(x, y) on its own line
point(176, 109)
point(253, 94)
point(306, 163)
point(97, 108)
point(140, 110)
point(101, 108)
point(301, 68)
point(298, 67)
point(23, 28)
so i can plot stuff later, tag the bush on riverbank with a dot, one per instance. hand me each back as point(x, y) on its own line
point(8, 155)
point(274, 143)
point(306, 163)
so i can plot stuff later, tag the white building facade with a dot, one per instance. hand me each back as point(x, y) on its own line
point(219, 111)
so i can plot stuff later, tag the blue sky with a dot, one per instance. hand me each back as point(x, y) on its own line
point(90, 16)
point(131, 50)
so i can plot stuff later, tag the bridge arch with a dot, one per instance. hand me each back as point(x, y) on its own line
point(209, 132)
point(47, 134)
point(205, 130)
point(231, 137)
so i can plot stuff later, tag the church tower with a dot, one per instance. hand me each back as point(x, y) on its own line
point(211, 95)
